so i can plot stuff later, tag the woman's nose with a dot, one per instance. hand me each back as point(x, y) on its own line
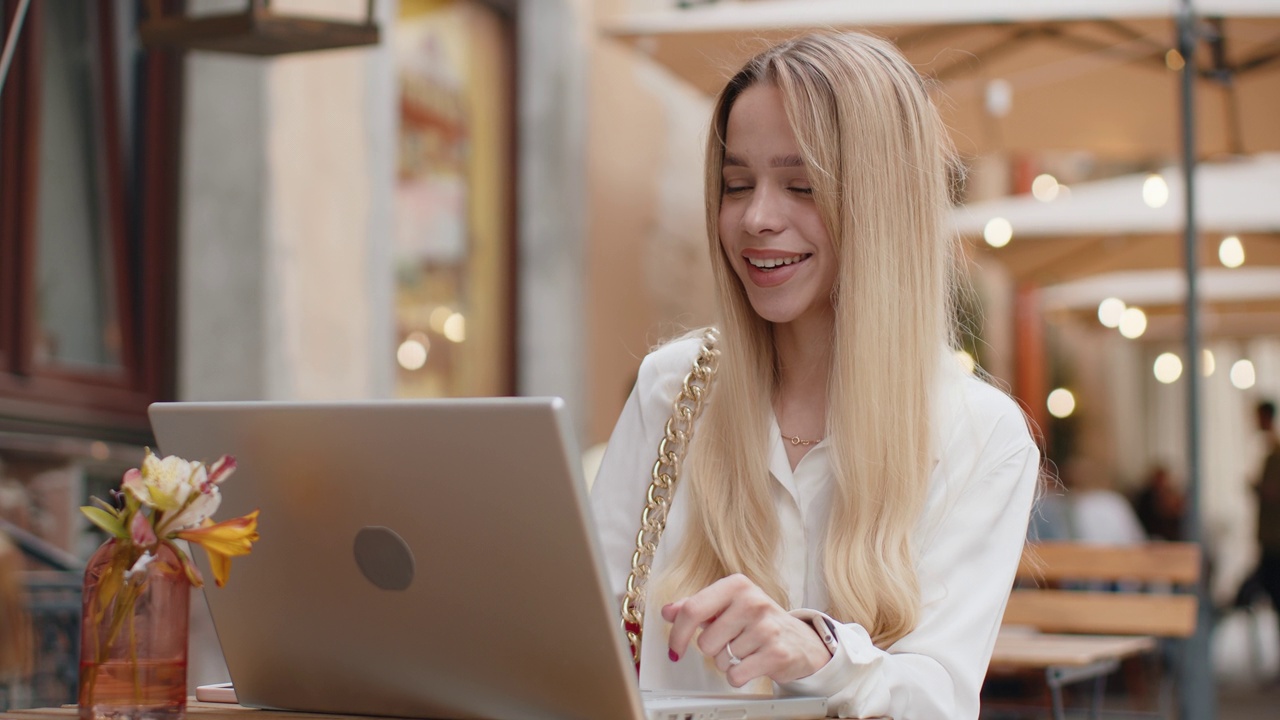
point(764, 213)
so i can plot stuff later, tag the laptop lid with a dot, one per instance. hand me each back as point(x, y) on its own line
point(417, 558)
point(431, 558)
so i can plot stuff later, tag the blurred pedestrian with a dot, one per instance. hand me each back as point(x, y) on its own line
point(1100, 514)
point(15, 632)
point(1160, 506)
point(1265, 579)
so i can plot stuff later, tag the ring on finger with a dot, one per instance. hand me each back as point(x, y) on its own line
point(733, 659)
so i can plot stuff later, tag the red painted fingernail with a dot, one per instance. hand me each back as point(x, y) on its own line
point(674, 657)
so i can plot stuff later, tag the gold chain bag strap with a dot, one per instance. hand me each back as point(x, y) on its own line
point(666, 474)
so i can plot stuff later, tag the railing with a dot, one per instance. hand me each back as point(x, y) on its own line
point(53, 604)
point(53, 609)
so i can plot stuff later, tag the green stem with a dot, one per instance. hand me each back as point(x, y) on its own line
point(133, 657)
point(122, 608)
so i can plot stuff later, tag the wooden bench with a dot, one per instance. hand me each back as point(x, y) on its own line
point(1079, 610)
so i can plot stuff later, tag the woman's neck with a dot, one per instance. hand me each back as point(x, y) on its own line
point(804, 366)
point(804, 359)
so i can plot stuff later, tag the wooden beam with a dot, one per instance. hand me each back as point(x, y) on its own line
point(1049, 261)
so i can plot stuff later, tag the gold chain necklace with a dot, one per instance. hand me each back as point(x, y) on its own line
point(795, 440)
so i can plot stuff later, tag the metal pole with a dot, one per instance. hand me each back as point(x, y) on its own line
point(11, 42)
point(1196, 686)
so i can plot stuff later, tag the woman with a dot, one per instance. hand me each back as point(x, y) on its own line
point(852, 506)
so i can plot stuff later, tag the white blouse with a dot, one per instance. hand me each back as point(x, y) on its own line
point(968, 543)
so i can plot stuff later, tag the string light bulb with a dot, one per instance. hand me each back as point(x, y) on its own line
point(998, 232)
point(1110, 311)
point(1231, 252)
point(1061, 403)
point(1155, 191)
point(1167, 368)
point(1133, 323)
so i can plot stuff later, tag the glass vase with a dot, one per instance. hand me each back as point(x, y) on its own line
point(133, 635)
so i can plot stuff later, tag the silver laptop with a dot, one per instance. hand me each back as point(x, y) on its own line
point(432, 559)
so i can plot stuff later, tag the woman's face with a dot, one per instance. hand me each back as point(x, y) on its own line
point(770, 228)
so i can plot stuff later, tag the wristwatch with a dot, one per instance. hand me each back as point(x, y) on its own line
point(827, 633)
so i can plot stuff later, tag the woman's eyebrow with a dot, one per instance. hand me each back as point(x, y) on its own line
point(731, 160)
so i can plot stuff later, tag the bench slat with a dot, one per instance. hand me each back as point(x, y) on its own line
point(1174, 562)
point(1037, 650)
point(1071, 611)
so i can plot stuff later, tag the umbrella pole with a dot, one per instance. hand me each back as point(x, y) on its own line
point(1196, 682)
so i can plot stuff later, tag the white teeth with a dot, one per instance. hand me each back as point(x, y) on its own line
point(766, 264)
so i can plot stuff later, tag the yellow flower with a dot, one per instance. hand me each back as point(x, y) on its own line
point(224, 541)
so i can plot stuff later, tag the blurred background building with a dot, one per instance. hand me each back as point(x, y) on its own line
point(505, 197)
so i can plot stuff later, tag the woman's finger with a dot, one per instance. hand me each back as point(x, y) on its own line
point(698, 611)
point(747, 669)
point(688, 616)
point(726, 626)
point(740, 647)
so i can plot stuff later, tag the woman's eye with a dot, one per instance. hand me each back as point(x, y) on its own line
point(736, 189)
point(802, 190)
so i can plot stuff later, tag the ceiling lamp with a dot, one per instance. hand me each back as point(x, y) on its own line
point(256, 30)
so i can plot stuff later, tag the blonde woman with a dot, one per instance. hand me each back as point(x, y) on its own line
point(853, 504)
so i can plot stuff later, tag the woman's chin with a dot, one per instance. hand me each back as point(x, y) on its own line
point(779, 313)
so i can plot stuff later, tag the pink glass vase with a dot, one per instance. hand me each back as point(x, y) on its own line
point(133, 635)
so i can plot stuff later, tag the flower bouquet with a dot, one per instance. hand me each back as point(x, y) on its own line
point(133, 636)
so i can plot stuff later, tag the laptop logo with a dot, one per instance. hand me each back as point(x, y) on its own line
point(384, 558)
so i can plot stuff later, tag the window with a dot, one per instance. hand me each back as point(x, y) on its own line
point(88, 152)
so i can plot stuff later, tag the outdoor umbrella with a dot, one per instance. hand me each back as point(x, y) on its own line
point(1102, 239)
point(1241, 303)
point(1019, 75)
point(1106, 226)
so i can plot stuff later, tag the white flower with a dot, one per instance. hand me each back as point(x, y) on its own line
point(165, 484)
point(140, 565)
point(203, 505)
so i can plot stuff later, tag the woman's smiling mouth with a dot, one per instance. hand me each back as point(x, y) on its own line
point(771, 263)
point(766, 272)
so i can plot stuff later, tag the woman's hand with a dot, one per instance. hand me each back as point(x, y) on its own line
point(746, 632)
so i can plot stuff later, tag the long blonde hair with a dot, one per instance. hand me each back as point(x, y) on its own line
point(879, 162)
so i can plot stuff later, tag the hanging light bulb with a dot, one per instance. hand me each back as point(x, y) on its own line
point(1133, 322)
point(1231, 252)
point(1155, 191)
point(1061, 403)
point(1167, 368)
point(1045, 187)
point(998, 232)
point(1110, 311)
point(1243, 375)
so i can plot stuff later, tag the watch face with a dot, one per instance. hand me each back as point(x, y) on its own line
point(823, 627)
